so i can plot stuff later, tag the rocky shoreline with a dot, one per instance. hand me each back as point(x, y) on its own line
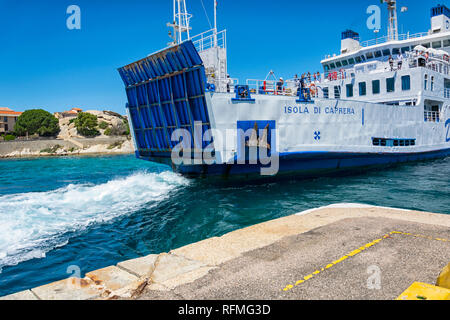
point(72, 147)
point(112, 138)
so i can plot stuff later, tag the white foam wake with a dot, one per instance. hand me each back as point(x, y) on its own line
point(31, 224)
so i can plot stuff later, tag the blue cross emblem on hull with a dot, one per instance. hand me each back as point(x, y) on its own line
point(317, 135)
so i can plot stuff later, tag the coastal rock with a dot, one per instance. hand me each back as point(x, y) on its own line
point(68, 129)
point(23, 149)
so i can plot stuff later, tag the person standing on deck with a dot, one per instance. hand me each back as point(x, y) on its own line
point(302, 84)
point(280, 84)
point(229, 83)
point(399, 61)
point(297, 82)
point(391, 63)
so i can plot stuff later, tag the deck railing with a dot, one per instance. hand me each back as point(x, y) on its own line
point(210, 39)
point(290, 86)
point(273, 87)
point(411, 61)
point(401, 37)
point(225, 85)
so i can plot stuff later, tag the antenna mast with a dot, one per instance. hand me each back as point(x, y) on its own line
point(215, 23)
point(393, 23)
point(180, 25)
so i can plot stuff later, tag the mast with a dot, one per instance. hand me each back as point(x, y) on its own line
point(393, 23)
point(180, 24)
point(215, 23)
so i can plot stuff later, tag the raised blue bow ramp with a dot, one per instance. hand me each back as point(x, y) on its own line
point(165, 91)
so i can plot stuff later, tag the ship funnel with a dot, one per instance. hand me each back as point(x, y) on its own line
point(349, 41)
point(440, 19)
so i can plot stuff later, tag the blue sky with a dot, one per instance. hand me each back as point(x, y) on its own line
point(45, 65)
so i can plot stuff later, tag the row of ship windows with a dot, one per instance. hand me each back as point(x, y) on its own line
point(382, 142)
point(390, 87)
point(385, 53)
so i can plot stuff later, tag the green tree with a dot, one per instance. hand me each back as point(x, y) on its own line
point(87, 124)
point(36, 121)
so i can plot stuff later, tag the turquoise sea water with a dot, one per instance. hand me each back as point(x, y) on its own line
point(92, 212)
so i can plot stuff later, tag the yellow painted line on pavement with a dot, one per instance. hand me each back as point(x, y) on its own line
point(356, 252)
point(420, 236)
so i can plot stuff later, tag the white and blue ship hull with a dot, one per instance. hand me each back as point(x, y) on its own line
point(167, 91)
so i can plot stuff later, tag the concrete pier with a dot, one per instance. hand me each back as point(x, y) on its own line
point(343, 251)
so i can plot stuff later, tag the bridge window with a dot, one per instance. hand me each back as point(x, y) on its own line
point(344, 62)
point(390, 84)
point(377, 54)
point(358, 59)
point(349, 90)
point(426, 45)
point(405, 49)
point(406, 83)
point(447, 43)
point(396, 51)
point(376, 86)
point(386, 52)
point(337, 92)
point(369, 55)
point(351, 61)
point(437, 44)
point(338, 64)
point(332, 66)
point(362, 89)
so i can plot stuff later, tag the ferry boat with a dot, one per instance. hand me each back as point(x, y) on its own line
point(377, 102)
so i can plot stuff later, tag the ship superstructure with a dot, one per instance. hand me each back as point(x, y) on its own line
point(377, 102)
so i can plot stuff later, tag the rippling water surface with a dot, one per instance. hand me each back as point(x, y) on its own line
point(93, 212)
